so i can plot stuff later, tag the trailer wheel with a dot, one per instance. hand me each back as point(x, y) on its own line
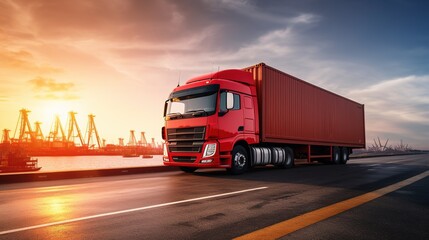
point(336, 155)
point(344, 155)
point(188, 169)
point(289, 159)
point(240, 160)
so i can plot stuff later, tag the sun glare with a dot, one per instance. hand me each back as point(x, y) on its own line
point(52, 109)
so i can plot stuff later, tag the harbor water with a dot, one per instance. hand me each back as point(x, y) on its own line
point(54, 164)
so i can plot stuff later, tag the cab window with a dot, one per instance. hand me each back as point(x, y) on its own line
point(229, 101)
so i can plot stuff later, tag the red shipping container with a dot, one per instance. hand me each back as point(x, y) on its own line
point(293, 111)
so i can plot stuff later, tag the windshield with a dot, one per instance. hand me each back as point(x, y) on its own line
point(194, 102)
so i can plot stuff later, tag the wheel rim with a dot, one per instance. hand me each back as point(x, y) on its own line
point(239, 160)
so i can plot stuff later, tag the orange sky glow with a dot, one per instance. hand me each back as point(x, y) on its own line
point(60, 57)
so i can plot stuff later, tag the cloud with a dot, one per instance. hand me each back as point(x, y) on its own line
point(406, 98)
point(4, 98)
point(397, 107)
point(23, 60)
point(275, 45)
point(151, 42)
point(118, 21)
point(164, 31)
point(251, 10)
point(67, 97)
point(50, 85)
point(244, 8)
point(305, 18)
point(47, 88)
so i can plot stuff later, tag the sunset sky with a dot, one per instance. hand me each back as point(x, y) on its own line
point(120, 59)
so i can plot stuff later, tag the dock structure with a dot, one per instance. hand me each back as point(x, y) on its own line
point(143, 141)
point(68, 140)
point(57, 135)
point(92, 132)
point(23, 127)
point(73, 131)
point(5, 136)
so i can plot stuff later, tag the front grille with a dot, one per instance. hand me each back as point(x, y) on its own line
point(186, 139)
point(186, 134)
point(185, 146)
point(184, 159)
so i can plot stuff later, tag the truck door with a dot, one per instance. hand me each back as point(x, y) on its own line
point(231, 123)
point(248, 114)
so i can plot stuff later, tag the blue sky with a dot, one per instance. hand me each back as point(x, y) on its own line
point(76, 55)
point(386, 33)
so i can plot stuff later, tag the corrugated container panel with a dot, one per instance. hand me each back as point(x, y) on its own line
point(294, 111)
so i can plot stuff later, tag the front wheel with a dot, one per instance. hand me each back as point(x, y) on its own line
point(240, 160)
point(188, 169)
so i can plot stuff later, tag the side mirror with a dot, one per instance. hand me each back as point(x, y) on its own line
point(163, 133)
point(165, 108)
point(229, 100)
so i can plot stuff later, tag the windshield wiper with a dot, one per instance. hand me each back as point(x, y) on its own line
point(175, 115)
point(197, 112)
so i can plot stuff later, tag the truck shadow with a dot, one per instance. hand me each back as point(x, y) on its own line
point(341, 176)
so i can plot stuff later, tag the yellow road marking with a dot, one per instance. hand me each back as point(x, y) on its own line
point(291, 225)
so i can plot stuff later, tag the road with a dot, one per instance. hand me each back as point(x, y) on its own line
point(211, 204)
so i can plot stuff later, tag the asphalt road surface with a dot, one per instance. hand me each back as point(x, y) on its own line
point(373, 198)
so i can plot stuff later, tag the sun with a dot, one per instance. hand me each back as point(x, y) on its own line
point(57, 108)
point(45, 112)
point(49, 110)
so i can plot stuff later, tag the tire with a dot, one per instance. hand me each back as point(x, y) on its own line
point(188, 169)
point(240, 160)
point(336, 158)
point(289, 159)
point(344, 155)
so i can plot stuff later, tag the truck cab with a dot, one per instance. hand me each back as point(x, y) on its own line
point(207, 118)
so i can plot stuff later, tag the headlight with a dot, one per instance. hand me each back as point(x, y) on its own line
point(165, 157)
point(210, 150)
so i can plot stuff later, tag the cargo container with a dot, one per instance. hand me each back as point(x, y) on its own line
point(257, 116)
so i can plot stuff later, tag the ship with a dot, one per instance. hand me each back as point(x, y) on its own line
point(130, 155)
point(16, 160)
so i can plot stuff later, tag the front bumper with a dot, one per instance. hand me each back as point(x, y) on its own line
point(192, 159)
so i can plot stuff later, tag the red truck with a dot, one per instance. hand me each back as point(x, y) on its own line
point(239, 119)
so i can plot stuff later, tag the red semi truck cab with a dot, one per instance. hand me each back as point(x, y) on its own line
point(207, 117)
point(238, 119)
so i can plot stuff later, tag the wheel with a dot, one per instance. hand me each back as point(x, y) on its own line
point(344, 155)
point(336, 155)
point(188, 169)
point(240, 160)
point(289, 159)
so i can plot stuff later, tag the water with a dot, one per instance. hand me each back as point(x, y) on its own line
point(54, 164)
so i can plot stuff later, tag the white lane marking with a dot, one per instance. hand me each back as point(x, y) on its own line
point(399, 161)
point(128, 211)
point(374, 165)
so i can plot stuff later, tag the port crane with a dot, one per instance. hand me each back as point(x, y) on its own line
point(73, 130)
point(62, 139)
